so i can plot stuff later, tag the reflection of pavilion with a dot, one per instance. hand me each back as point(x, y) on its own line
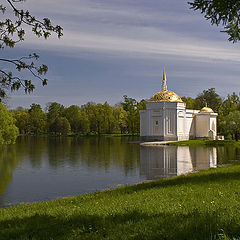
point(168, 161)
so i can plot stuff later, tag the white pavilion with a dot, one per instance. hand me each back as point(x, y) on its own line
point(167, 119)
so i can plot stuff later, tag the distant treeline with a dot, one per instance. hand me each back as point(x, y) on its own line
point(92, 118)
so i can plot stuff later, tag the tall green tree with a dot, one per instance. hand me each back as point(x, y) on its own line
point(230, 104)
point(89, 109)
point(37, 119)
point(62, 126)
point(130, 106)
point(192, 103)
point(120, 116)
point(77, 118)
point(22, 120)
point(54, 111)
point(110, 123)
point(211, 98)
point(13, 24)
point(140, 106)
point(224, 12)
point(232, 124)
point(8, 130)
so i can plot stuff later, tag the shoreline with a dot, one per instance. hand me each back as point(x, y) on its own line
point(192, 143)
point(170, 208)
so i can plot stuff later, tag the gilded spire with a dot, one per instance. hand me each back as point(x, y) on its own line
point(164, 81)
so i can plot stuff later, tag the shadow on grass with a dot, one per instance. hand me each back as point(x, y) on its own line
point(131, 225)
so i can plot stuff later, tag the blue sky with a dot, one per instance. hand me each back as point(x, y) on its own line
point(112, 48)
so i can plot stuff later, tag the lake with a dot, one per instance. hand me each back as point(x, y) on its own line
point(45, 168)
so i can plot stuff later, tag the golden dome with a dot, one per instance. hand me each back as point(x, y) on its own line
point(207, 110)
point(165, 96)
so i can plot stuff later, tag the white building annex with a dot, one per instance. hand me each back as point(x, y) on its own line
point(167, 119)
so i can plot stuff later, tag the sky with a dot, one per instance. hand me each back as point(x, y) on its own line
point(112, 48)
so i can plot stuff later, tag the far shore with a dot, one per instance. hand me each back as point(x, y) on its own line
point(192, 143)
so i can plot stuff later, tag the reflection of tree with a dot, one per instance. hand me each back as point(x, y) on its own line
point(58, 151)
point(106, 152)
point(98, 152)
point(8, 163)
point(228, 154)
point(92, 152)
point(32, 148)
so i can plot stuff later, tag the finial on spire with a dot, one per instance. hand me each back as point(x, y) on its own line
point(164, 81)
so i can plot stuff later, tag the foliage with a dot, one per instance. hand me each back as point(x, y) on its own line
point(192, 103)
point(228, 111)
point(12, 31)
point(211, 98)
point(132, 107)
point(55, 111)
point(8, 131)
point(222, 12)
point(62, 126)
point(92, 118)
point(203, 205)
point(232, 124)
point(37, 119)
point(22, 120)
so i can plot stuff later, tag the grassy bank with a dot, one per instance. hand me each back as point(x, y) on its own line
point(203, 205)
point(207, 143)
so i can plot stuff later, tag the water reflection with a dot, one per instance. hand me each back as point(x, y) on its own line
point(42, 168)
point(162, 162)
point(8, 163)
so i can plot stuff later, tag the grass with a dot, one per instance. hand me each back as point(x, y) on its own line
point(202, 205)
point(210, 143)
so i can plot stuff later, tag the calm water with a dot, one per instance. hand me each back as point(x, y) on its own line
point(42, 168)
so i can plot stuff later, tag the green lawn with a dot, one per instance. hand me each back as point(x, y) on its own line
point(210, 143)
point(203, 205)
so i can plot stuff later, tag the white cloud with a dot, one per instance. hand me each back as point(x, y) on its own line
point(147, 48)
point(122, 28)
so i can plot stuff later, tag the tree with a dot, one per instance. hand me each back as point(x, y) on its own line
point(211, 98)
point(109, 122)
point(8, 131)
point(12, 31)
point(230, 104)
point(62, 126)
point(192, 103)
point(225, 12)
point(121, 118)
point(37, 119)
point(140, 106)
point(130, 106)
point(73, 115)
point(232, 124)
point(84, 124)
point(55, 110)
point(22, 120)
